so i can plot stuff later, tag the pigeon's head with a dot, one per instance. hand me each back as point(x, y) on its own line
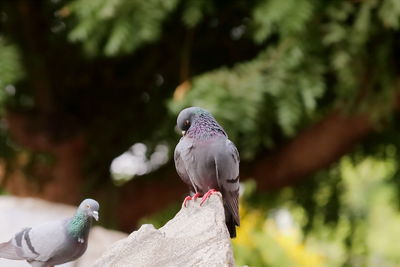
point(188, 117)
point(90, 207)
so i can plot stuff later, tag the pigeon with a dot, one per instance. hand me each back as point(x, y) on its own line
point(207, 161)
point(53, 243)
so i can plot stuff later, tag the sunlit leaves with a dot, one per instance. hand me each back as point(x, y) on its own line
point(118, 26)
point(389, 13)
point(281, 17)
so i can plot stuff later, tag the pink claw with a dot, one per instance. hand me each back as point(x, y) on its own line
point(186, 200)
point(207, 195)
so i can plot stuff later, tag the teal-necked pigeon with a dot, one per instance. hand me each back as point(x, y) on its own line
point(54, 242)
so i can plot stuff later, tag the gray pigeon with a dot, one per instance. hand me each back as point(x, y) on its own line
point(55, 242)
point(207, 161)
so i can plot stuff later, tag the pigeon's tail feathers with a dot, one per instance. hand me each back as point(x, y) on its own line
point(231, 207)
point(8, 251)
point(230, 224)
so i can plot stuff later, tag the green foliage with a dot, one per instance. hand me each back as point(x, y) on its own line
point(389, 13)
point(11, 70)
point(281, 17)
point(352, 32)
point(117, 26)
point(120, 27)
point(194, 11)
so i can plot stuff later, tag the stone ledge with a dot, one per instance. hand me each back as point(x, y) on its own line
point(196, 236)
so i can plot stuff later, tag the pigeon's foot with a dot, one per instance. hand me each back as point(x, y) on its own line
point(207, 195)
point(194, 197)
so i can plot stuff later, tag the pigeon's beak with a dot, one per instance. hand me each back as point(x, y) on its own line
point(183, 133)
point(95, 215)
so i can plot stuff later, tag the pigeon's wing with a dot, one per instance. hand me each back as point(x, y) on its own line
point(41, 242)
point(227, 171)
point(183, 156)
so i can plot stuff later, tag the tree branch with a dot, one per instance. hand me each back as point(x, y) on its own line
point(313, 149)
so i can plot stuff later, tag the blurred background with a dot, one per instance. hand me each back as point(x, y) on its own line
point(308, 91)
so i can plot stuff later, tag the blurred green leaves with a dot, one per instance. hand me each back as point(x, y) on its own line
point(118, 26)
point(281, 17)
point(11, 70)
point(194, 11)
point(389, 13)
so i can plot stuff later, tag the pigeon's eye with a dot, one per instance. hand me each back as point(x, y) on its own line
point(87, 206)
point(186, 124)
